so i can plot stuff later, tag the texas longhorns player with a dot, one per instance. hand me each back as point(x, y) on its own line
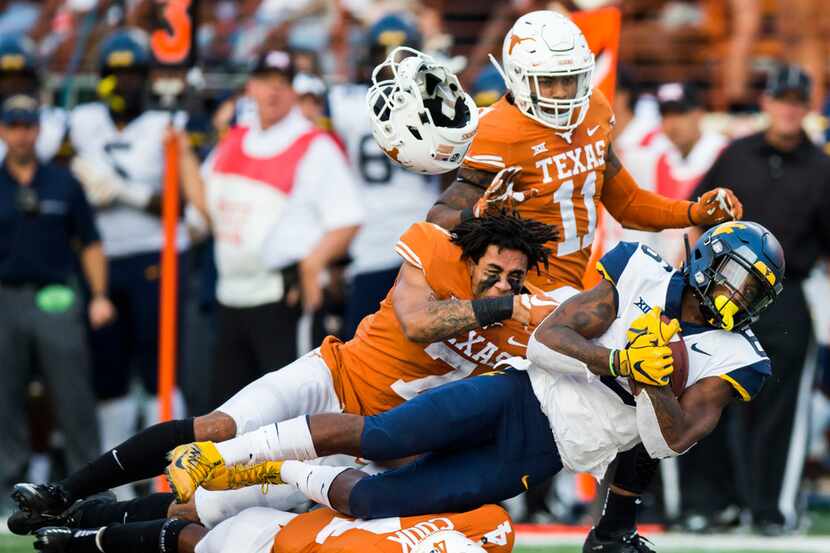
point(487, 529)
point(546, 147)
point(458, 307)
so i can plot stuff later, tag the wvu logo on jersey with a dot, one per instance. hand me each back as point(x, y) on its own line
point(573, 162)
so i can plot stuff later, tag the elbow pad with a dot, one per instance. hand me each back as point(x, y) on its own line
point(551, 361)
point(649, 429)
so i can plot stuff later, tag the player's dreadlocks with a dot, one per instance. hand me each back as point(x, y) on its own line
point(505, 231)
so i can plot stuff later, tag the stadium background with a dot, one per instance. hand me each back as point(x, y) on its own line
point(659, 42)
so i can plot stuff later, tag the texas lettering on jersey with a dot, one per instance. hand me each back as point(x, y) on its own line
point(380, 368)
point(565, 171)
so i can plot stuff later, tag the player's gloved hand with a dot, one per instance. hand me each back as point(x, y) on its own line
point(647, 364)
point(650, 327)
point(500, 195)
point(716, 206)
point(532, 309)
point(103, 188)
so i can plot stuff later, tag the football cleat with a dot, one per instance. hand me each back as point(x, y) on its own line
point(43, 499)
point(631, 542)
point(242, 476)
point(23, 523)
point(190, 466)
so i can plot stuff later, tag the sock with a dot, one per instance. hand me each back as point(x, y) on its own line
point(85, 540)
point(140, 537)
point(289, 439)
point(142, 456)
point(152, 507)
point(313, 481)
point(618, 516)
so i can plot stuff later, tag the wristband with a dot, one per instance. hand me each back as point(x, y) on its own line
point(611, 363)
point(492, 310)
point(467, 213)
point(689, 213)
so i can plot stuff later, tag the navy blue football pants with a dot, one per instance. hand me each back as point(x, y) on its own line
point(485, 438)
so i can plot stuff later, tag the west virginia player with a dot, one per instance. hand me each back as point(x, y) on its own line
point(393, 197)
point(487, 529)
point(595, 385)
point(19, 75)
point(557, 132)
point(120, 163)
point(457, 308)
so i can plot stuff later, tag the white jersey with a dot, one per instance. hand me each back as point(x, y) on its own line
point(593, 418)
point(50, 135)
point(136, 155)
point(394, 198)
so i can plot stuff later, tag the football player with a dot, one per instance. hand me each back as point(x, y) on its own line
point(552, 135)
point(120, 163)
point(458, 307)
point(393, 197)
point(487, 529)
point(596, 383)
point(19, 75)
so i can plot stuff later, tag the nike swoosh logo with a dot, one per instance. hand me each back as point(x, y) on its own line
point(697, 349)
point(180, 464)
point(524, 481)
point(639, 370)
point(592, 130)
point(513, 342)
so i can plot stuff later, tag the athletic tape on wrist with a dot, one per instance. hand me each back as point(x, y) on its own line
point(492, 310)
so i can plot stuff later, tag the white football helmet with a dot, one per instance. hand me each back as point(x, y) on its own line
point(420, 115)
point(453, 542)
point(546, 44)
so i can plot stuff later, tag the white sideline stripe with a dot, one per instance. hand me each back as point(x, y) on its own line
point(794, 544)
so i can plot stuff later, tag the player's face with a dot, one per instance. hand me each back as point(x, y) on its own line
point(499, 272)
point(273, 95)
point(20, 140)
point(556, 88)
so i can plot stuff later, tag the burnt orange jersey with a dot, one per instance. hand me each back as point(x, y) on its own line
point(565, 169)
point(325, 531)
point(380, 368)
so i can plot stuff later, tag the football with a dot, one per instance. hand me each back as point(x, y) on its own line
point(680, 356)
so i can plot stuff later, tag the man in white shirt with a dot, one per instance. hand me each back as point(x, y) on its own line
point(282, 203)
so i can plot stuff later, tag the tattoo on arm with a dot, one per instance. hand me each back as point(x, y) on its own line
point(447, 318)
point(574, 323)
point(613, 165)
point(670, 415)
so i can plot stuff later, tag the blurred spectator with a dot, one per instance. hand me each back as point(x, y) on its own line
point(488, 87)
point(19, 74)
point(281, 202)
point(783, 181)
point(43, 213)
point(746, 23)
point(17, 17)
point(120, 162)
point(393, 197)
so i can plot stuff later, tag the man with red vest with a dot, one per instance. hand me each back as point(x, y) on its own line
point(282, 202)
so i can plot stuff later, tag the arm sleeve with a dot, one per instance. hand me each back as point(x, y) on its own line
point(337, 200)
point(640, 209)
point(82, 217)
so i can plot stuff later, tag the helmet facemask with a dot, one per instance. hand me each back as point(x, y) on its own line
point(560, 112)
point(421, 117)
